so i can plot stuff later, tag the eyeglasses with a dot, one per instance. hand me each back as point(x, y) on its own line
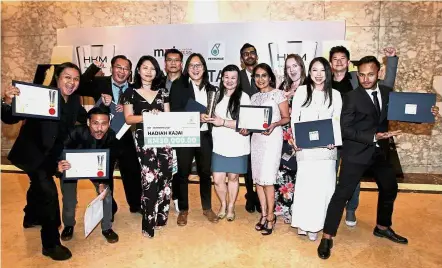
point(195, 66)
point(263, 76)
point(249, 53)
point(122, 69)
point(172, 60)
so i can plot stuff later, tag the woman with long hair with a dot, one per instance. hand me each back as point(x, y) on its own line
point(148, 95)
point(294, 76)
point(230, 149)
point(316, 174)
point(266, 147)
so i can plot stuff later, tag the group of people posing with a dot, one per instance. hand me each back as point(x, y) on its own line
point(323, 91)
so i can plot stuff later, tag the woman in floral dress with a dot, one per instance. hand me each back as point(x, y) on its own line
point(294, 76)
point(156, 163)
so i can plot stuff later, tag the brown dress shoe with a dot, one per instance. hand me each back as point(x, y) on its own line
point(182, 218)
point(211, 216)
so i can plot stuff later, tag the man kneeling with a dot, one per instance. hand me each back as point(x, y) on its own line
point(96, 135)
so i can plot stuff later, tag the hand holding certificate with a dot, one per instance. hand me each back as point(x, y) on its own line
point(85, 164)
point(254, 118)
point(320, 133)
point(412, 107)
point(36, 101)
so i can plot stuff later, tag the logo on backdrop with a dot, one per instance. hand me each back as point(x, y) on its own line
point(160, 52)
point(217, 52)
point(87, 54)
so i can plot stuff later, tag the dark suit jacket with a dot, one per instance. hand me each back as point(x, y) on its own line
point(181, 91)
point(37, 136)
point(245, 84)
point(360, 123)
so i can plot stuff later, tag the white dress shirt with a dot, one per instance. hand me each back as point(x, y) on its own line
point(201, 97)
point(249, 76)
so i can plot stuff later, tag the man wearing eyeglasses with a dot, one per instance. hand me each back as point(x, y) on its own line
point(249, 59)
point(114, 86)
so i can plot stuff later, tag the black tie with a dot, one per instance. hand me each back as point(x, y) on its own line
point(120, 92)
point(376, 102)
point(253, 85)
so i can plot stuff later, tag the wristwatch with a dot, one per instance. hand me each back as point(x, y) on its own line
point(4, 102)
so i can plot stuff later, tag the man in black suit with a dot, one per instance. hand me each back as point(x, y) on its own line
point(115, 85)
point(37, 149)
point(365, 133)
point(249, 58)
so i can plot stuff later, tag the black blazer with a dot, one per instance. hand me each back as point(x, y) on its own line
point(360, 123)
point(245, 84)
point(37, 136)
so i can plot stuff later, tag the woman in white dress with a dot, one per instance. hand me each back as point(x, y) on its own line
point(230, 149)
point(266, 147)
point(316, 175)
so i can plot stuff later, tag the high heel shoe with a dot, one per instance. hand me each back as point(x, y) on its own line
point(231, 217)
point(266, 230)
point(222, 214)
point(259, 226)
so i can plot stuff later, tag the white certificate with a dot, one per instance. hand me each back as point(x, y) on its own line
point(174, 129)
point(87, 164)
point(336, 122)
point(36, 101)
point(254, 118)
point(94, 213)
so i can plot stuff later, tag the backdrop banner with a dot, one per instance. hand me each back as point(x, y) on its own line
point(219, 43)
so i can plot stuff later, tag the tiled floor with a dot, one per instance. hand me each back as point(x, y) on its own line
point(226, 244)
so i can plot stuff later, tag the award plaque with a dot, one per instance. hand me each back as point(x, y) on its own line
point(212, 100)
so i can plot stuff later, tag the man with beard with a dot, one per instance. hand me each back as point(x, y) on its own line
point(345, 81)
point(364, 133)
point(114, 86)
point(96, 135)
point(249, 58)
point(173, 62)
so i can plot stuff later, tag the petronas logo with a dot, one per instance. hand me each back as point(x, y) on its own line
point(215, 49)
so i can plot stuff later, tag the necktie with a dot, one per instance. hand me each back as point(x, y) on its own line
point(120, 93)
point(376, 102)
point(253, 85)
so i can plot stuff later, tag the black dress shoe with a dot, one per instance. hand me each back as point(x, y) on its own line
point(258, 206)
point(110, 235)
point(390, 234)
point(67, 233)
point(30, 223)
point(57, 253)
point(324, 248)
point(250, 206)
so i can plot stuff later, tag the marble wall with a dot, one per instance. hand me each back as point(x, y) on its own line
point(28, 34)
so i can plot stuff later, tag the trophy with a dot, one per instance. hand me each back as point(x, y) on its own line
point(100, 159)
point(212, 100)
point(52, 102)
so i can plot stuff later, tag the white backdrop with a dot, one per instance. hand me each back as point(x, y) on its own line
point(219, 43)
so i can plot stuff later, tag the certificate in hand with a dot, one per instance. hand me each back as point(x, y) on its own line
point(36, 101)
point(93, 214)
point(118, 122)
point(87, 164)
point(314, 134)
point(254, 118)
point(411, 107)
point(174, 129)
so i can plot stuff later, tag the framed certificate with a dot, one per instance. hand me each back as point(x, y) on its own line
point(87, 164)
point(314, 134)
point(411, 107)
point(254, 118)
point(36, 101)
point(174, 129)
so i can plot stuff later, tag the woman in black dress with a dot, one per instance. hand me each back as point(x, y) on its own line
point(148, 95)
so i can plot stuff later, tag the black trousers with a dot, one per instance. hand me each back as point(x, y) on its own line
point(130, 170)
point(43, 204)
point(203, 157)
point(349, 178)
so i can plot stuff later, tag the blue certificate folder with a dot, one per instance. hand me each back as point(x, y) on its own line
point(117, 118)
point(314, 134)
point(411, 107)
point(194, 106)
